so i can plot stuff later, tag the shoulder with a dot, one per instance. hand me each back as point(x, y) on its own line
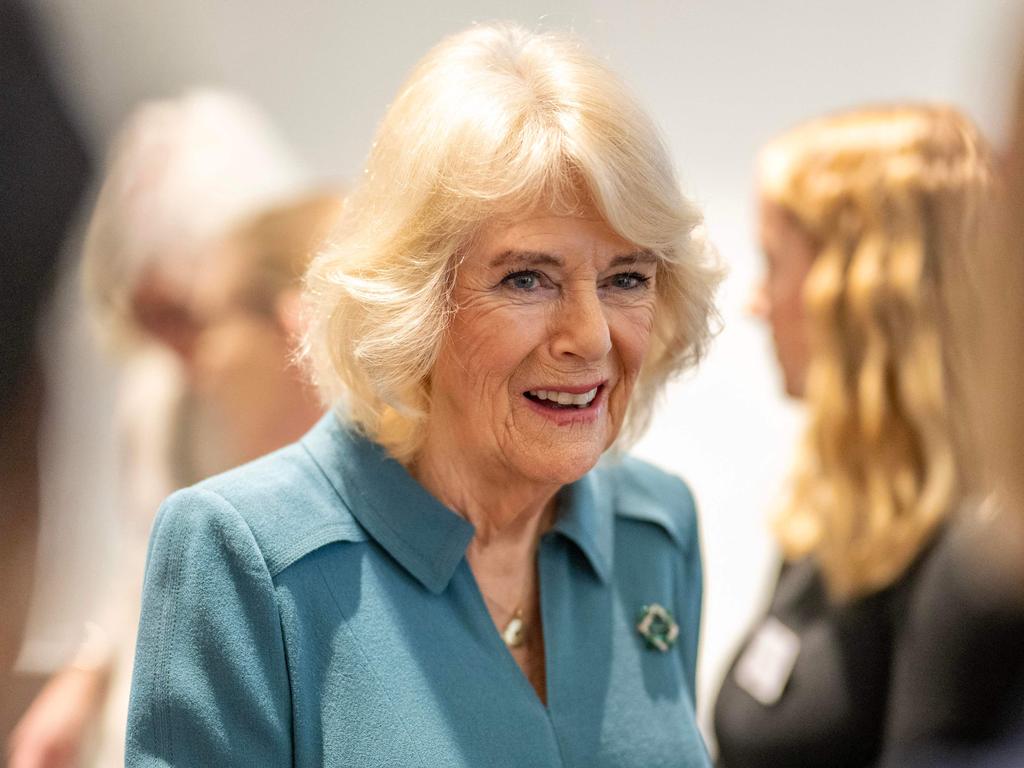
point(645, 493)
point(282, 503)
point(973, 568)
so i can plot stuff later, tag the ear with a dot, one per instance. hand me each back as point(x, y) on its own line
point(757, 304)
point(288, 312)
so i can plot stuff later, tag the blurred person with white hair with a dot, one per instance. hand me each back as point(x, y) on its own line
point(181, 172)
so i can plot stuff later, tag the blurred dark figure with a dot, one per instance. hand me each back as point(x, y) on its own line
point(44, 169)
point(871, 222)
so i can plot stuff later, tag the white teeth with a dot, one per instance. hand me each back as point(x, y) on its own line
point(565, 398)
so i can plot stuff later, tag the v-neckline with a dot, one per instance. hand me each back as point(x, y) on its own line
point(497, 641)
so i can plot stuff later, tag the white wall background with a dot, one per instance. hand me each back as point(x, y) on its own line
point(719, 76)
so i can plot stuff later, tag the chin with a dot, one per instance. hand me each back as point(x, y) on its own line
point(561, 467)
point(794, 389)
point(559, 454)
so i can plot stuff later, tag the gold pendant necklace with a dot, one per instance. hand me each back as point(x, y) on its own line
point(514, 633)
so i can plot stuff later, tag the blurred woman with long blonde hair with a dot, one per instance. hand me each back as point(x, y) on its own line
point(970, 600)
point(869, 222)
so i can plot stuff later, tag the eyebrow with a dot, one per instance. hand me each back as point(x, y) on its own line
point(538, 258)
point(531, 258)
point(639, 257)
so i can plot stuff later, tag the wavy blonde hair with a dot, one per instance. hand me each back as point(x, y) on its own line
point(277, 243)
point(494, 123)
point(894, 198)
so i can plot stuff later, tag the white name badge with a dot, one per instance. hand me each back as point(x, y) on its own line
point(766, 665)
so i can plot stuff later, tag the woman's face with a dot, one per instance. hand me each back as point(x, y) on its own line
point(242, 368)
point(779, 300)
point(553, 322)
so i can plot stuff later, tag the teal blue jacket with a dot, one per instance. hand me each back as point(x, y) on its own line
point(315, 608)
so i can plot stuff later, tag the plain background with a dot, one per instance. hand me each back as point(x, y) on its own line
point(719, 76)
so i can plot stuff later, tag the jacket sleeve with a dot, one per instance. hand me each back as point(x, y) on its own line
point(210, 684)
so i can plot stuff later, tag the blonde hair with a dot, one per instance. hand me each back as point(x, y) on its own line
point(276, 245)
point(493, 123)
point(179, 173)
point(996, 326)
point(893, 197)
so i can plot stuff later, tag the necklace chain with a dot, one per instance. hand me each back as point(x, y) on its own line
point(514, 632)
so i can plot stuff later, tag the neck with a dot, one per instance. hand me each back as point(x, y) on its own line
point(506, 511)
point(256, 437)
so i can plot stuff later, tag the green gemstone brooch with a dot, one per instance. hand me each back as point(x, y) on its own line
point(657, 627)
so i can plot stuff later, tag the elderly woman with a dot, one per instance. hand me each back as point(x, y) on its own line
point(871, 223)
point(439, 573)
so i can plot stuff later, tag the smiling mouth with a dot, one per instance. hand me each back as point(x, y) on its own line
point(563, 401)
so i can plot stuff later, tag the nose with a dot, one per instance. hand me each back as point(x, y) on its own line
point(580, 328)
point(757, 304)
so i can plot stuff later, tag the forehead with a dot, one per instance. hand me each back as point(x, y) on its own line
point(567, 238)
point(771, 215)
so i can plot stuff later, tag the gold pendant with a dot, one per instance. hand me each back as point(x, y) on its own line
point(515, 631)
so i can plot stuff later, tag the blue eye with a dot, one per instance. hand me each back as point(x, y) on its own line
point(629, 281)
point(525, 280)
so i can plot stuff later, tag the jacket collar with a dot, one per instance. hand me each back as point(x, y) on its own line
point(427, 538)
point(586, 517)
point(423, 535)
